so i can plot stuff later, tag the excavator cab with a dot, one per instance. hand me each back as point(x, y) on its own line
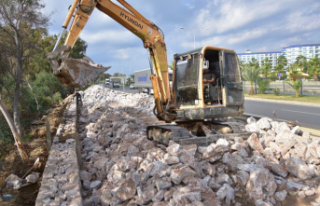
point(199, 99)
point(203, 108)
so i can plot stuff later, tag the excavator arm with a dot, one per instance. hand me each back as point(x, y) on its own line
point(74, 73)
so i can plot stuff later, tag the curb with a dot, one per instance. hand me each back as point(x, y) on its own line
point(283, 102)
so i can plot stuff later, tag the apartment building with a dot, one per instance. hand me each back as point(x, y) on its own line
point(307, 50)
point(260, 56)
point(290, 52)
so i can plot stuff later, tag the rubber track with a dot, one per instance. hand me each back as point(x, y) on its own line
point(177, 132)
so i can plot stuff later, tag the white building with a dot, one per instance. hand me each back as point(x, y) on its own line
point(290, 52)
point(309, 51)
point(260, 56)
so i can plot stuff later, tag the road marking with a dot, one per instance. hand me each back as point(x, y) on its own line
point(300, 112)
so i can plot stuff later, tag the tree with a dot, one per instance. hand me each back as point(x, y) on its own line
point(281, 63)
point(132, 76)
point(104, 76)
point(301, 62)
point(314, 67)
point(38, 62)
point(171, 65)
point(118, 74)
point(250, 72)
point(266, 68)
point(78, 50)
point(19, 20)
point(47, 87)
point(296, 85)
point(293, 72)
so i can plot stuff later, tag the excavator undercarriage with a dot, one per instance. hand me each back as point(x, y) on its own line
point(201, 133)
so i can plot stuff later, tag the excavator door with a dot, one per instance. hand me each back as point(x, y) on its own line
point(231, 81)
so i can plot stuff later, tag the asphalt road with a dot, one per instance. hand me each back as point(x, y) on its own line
point(308, 116)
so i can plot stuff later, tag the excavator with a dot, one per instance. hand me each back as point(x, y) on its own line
point(195, 111)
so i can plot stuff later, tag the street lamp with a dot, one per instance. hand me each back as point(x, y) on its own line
point(125, 66)
point(122, 79)
point(194, 36)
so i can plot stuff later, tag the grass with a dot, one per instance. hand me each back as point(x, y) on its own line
point(306, 99)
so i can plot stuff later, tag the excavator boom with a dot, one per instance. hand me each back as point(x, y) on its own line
point(199, 109)
point(75, 73)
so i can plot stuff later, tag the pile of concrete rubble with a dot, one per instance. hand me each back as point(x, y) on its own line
point(122, 167)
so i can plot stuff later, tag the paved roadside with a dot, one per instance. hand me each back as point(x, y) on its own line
point(314, 133)
point(283, 101)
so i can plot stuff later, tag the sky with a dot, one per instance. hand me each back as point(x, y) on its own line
point(256, 25)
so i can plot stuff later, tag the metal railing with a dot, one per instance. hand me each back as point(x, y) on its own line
point(309, 88)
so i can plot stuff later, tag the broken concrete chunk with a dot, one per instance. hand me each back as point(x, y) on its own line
point(137, 171)
point(251, 120)
point(178, 174)
point(95, 184)
point(226, 192)
point(126, 190)
point(293, 186)
point(14, 184)
point(173, 149)
point(260, 180)
point(12, 177)
point(171, 160)
point(223, 142)
point(242, 178)
point(254, 143)
point(281, 195)
point(282, 127)
point(264, 123)
point(253, 127)
point(299, 168)
point(33, 177)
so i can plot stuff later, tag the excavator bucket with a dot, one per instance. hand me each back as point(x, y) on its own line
point(74, 72)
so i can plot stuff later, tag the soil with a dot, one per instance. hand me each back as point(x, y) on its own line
point(36, 147)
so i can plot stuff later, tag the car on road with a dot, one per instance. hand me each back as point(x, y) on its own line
point(115, 84)
point(132, 86)
point(147, 90)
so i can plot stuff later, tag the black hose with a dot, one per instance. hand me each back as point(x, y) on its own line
point(154, 110)
point(88, 11)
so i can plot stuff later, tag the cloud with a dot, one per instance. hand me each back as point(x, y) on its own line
point(300, 20)
point(264, 25)
point(111, 36)
point(224, 16)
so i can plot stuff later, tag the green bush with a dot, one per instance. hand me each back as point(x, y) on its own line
point(276, 91)
point(57, 98)
point(263, 85)
point(48, 90)
point(26, 137)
